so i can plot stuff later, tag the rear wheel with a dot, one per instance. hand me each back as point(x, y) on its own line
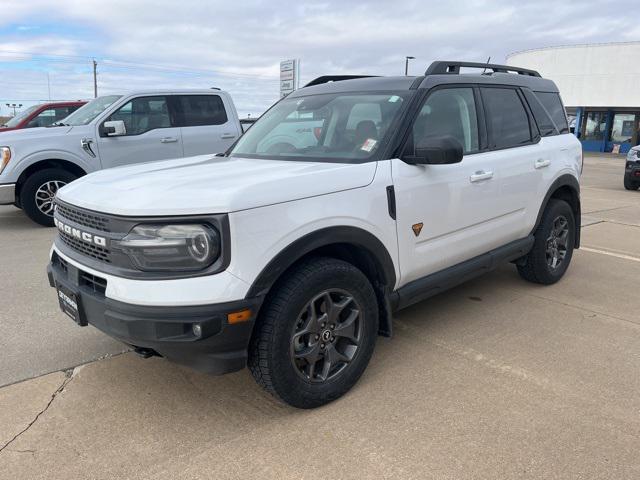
point(38, 191)
point(629, 184)
point(552, 249)
point(315, 334)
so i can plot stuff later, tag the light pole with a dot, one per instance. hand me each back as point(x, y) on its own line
point(14, 106)
point(406, 65)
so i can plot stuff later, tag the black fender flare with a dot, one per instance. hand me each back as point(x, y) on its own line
point(566, 180)
point(323, 238)
point(375, 252)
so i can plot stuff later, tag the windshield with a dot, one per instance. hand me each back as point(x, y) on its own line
point(329, 127)
point(14, 121)
point(85, 114)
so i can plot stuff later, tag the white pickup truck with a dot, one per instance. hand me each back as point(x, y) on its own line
point(111, 131)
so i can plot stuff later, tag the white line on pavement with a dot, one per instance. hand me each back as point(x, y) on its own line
point(611, 254)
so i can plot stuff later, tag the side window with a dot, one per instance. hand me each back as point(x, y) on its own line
point(143, 114)
point(198, 110)
point(62, 112)
point(43, 119)
point(507, 119)
point(449, 111)
point(553, 105)
point(545, 124)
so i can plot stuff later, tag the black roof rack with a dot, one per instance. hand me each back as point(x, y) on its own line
point(443, 67)
point(335, 78)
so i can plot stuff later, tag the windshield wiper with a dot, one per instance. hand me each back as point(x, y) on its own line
point(59, 124)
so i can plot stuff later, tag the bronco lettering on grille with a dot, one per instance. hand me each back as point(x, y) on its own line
point(80, 234)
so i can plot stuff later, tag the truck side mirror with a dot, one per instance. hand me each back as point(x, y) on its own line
point(436, 150)
point(114, 128)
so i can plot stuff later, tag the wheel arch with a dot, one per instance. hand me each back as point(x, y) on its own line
point(567, 188)
point(351, 244)
point(48, 163)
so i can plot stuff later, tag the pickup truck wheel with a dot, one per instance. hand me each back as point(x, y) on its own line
point(38, 191)
point(630, 184)
point(316, 334)
point(552, 249)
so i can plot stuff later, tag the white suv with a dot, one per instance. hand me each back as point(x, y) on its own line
point(107, 132)
point(346, 201)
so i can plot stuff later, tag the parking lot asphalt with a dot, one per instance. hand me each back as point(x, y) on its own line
point(497, 378)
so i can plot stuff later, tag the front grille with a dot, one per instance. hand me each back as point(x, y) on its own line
point(94, 251)
point(97, 284)
point(83, 218)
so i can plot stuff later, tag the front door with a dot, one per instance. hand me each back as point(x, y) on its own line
point(446, 213)
point(150, 134)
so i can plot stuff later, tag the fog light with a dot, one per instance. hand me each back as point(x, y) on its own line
point(197, 329)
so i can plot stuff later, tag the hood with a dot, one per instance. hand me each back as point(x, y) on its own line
point(208, 184)
point(27, 134)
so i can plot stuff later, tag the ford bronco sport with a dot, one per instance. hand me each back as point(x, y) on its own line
point(346, 201)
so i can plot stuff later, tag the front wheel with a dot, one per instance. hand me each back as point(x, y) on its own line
point(316, 333)
point(552, 249)
point(630, 184)
point(38, 191)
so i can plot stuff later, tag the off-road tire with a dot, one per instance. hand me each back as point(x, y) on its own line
point(30, 187)
point(535, 267)
point(630, 184)
point(270, 359)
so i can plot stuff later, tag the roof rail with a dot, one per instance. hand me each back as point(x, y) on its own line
point(443, 67)
point(335, 78)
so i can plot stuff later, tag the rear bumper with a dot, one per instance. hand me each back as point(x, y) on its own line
point(167, 331)
point(8, 194)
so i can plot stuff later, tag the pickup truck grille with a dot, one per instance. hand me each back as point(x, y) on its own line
point(83, 218)
point(94, 251)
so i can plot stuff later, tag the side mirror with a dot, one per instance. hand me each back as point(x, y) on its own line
point(114, 128)
point(437, 150)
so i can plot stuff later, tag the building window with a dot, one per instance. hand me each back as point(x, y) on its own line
point(595, 125)
point(624, 127)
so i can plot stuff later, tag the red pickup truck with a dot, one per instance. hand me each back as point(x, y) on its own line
point(41, 115)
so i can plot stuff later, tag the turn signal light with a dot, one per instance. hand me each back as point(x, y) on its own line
point(238, 317)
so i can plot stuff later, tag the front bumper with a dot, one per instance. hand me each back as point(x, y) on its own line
point(166, 331)
point(632, 170)
point(8, 194)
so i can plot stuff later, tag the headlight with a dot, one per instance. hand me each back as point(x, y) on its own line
point(633, 155)
point(5, 156)
point(178, 248)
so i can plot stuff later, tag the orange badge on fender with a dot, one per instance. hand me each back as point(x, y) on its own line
point(417, 228)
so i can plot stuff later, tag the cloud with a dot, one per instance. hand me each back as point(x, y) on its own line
point(238, 45)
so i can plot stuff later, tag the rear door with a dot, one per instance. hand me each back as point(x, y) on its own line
point(520, 154)
point(151, 133)
point(208, 124)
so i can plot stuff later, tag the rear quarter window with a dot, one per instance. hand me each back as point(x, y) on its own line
point(553, 105)
point(546, 125)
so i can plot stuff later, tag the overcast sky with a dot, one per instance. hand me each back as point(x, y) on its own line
point(238, 45)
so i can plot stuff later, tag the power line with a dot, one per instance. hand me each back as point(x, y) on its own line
point(59, 58)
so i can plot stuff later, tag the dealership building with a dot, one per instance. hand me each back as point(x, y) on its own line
point(600, 86)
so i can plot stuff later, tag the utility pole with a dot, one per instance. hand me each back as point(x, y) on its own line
point(95, 78)
point(406, 65)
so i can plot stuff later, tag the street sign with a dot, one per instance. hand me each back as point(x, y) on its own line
point(289, 76)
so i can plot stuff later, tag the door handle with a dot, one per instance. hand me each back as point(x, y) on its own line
point(541, 163)
point(480, 175)
point(168, 140)
point(228, 135)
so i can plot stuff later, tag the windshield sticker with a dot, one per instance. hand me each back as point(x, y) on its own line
point(368, 145)
point(394, 98)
